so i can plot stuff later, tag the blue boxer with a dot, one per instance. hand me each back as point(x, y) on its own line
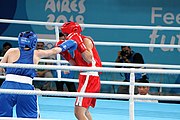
point(21, 79)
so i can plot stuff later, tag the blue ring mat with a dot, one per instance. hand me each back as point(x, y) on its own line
point(60, 108)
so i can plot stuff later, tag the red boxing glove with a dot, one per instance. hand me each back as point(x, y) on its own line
point(76, 37)
point(81, 47)
point(66, 55)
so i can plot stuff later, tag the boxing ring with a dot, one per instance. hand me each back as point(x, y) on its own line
point(54, 108)
point(61, 108)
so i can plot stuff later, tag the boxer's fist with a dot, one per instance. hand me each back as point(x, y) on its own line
point(67, 45)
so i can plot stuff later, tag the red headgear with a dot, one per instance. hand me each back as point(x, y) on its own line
point(70, 27)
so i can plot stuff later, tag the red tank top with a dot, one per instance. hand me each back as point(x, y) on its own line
point(96, 61)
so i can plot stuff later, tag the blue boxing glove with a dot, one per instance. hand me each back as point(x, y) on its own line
point(68, 45)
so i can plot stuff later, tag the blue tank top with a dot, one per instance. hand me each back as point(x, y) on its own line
point(26, 57)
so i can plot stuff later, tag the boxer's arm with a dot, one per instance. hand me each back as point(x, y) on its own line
point(66, 55)
point(72, 62)
point(87, 54)
point(80, 42)
point(67, 45)
point(5, 60)
point(84, 46)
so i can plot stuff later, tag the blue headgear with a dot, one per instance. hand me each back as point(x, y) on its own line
point(27, 39)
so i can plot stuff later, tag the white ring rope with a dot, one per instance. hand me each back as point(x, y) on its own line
point(104, 43)
point(119, 64)
point(108, 82)
point(97, 69)
point(15, 39)
point(92, 25)
point(122, 64)
point(136, 44)
point(92, 95)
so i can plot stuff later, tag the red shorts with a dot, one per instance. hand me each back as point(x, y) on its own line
point(88, 84)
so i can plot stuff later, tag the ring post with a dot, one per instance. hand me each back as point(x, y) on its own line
point(58, 57)
point(131, 91)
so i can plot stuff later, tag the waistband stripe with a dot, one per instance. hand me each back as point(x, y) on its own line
point(19, 78)
point(90, 73)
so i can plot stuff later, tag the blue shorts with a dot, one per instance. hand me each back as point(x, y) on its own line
point(26, 105)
